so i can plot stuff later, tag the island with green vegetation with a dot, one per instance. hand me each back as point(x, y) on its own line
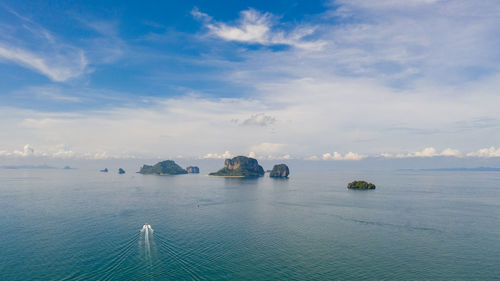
point(241, 167)
point(280, 171)
point(360, 185)
point(167, 167)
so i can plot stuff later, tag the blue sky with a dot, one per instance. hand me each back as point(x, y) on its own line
point(326, 80)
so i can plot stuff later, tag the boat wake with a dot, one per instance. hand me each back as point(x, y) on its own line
point(147, 232)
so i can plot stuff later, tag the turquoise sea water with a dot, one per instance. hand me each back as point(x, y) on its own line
point(85, 225)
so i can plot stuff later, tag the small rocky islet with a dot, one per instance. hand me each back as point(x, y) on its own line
point(280, 171)
point(167, 167)
point(241, 167)
point(360, 185)
point(121, 171)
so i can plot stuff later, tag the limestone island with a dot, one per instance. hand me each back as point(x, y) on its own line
point(104, 171)
point(360, 185)
point(240, 167)
point(121, 171)
point(280, 171)
point(193, 170)
point(167, 167)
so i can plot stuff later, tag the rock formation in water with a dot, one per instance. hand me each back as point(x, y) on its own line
point(193, 170)
point(280, 171)
point(121, 171)
point(167, 167)
point(360, 185)
point(240, 166)
point(105, 170)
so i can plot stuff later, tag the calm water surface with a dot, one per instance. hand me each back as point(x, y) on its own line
point(85, 225)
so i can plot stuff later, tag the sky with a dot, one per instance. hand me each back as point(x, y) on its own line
point(316, 80)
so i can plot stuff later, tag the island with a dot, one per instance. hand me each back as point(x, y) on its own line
point(105, 170)
point(167, 167)
point(121, 171)
point(193, 170)
point(240, 167)
point(67, 168)
point(280, 171)
point(363, 185)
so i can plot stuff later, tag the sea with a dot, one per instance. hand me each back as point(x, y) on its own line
point(82, 224)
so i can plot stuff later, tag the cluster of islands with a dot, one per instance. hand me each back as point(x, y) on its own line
point(237, 167)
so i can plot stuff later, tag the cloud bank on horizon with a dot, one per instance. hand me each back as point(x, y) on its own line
point(342, 80)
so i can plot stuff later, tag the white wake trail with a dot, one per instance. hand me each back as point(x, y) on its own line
point(147, 229)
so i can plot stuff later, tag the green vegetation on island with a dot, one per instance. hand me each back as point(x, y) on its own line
point(280, 171)
point(360, 185)
point(240, 166)
point(167, 167)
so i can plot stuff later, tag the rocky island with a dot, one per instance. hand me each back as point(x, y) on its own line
point(167, 167)
point(193, 170)
point(280, 171)
point(121, 171)
point(360, 185)
point(104, 171)
point(241, 167)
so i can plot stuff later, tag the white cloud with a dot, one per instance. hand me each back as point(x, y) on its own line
point(27, 151)
point(427, 152)
point(485, 152)
point(313, 158)
point(451, 152)
point(225, 155)
point(57, 67)
point(64, 154)
point(28, 44)
point(338, 156)
point(267, 148)
point(385, 4)
point(101, 155)
point(256, 27)
point(259, 119)
point(314, 116)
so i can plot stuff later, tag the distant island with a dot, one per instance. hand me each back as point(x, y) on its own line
point(241, 167)
point(121, 171)
point(105, 170)
point(360, 185)
point(193, 170)
point(167, 167)
point(280, 171)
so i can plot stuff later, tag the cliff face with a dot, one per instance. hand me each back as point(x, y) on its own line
point(240, 166)
point(280, 171)
point(193, 170)
point(167, 167)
